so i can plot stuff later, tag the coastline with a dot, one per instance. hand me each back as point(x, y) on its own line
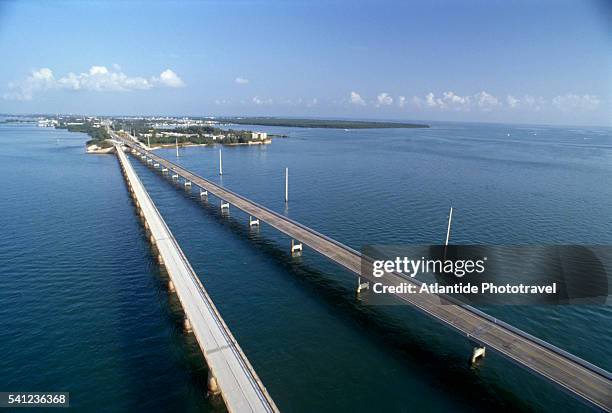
point(171, 145)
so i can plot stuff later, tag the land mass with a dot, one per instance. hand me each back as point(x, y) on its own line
point(157, 132)
point(318, 123)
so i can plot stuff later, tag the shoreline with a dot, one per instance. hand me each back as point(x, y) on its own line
point(172, 145)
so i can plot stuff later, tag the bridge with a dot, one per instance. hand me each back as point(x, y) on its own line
point(230, 372)
point(573, 374)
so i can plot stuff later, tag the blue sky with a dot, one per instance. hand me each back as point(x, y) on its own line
point(465, 60)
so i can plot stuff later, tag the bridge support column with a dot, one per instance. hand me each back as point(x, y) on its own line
point(213, 386)
point(175, 176)
point(160, 259)
point(296, 247)
point(164, 170)
point(225, 205)
point(478, 353)
point(171, 287)
point(152, 239)
point(187, 184)
point(187, 325)
point(253, 221)
point(203, 193)
point(362, 285)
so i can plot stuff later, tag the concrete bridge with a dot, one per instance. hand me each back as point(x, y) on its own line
point(577, 376)
point(230, 372)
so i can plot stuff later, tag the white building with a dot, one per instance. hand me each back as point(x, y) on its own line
point(259, 136)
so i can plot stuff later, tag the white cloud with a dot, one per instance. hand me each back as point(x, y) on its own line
point(534, 103)
point(570, 102)
point(512, 101)
point(356, 99)
point(313, 102)
point(401, 101)
point(258, 101)
point(383, 99)
point(41, 79)
point(97, 78)
point(241, 80)
point(486, 102)
point(170, 79)
point(448, 101)
point(451, 101)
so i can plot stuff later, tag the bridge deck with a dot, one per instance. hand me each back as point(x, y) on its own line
point(573, 374)
point(241, 388)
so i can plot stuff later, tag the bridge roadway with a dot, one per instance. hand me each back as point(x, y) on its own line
point(240, 387)
point(573, 374)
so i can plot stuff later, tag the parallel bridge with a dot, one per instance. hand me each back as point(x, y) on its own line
point(230, 372)
point(573, 374)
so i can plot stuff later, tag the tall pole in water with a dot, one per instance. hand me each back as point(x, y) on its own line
point(220, 163)
point(149, 142)
point(177, 155)
point(450, 218)
point(286, 184)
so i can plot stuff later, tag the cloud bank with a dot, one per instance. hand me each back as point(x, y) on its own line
point(97, 79)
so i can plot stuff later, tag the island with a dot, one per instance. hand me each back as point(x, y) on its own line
point(159, 132)
point(318, 123)
point(154, 131)
point(96, 129)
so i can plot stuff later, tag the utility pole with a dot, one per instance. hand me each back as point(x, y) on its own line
point(450, 218)
point(286, 184)
point(177, 154)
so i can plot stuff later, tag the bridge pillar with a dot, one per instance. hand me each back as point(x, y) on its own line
point(213, 386)
point(171, 287)
point(152, 239)
point(362, 285)
point(478, 353)
point(187, 183)
point(187, 325)
point(253, 221)
point(203, 193)
point(296, 247)
point(224, 205)
point(175, 176)
point(160, 259)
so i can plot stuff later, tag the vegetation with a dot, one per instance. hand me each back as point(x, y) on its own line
point(98, 134)
point(318, 123)
point(200, 134)
point(15, 120)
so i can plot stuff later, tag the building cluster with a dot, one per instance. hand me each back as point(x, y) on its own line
point(261, 136)
point(179, 122)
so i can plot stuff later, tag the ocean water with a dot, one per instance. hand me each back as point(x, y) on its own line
point(83, 304)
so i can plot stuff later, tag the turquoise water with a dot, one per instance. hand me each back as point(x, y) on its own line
point(83, 305)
